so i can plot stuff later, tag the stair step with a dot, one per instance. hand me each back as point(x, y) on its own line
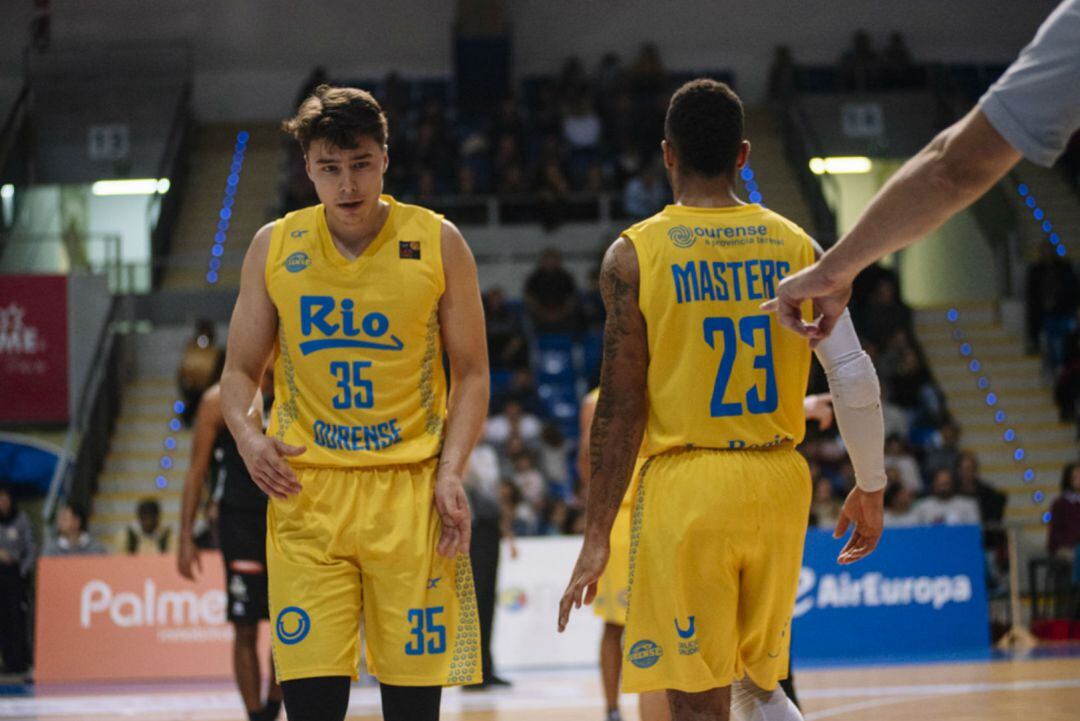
point(1042, 432)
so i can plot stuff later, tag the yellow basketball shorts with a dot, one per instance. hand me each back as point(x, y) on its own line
point(715, 554)
point(358, 543)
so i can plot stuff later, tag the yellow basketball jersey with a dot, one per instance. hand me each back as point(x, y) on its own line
point(722, 372)
point(358, 377)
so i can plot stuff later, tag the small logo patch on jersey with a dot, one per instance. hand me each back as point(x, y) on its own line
point(293, 625)
point(681, 236)
point(645, 654)
point(688, 632)
point(297, 262)
point(409, 249)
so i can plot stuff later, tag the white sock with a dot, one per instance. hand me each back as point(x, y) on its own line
point(750, 703)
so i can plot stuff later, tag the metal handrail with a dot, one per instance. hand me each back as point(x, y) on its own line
point(12, 123)
point(161, 209)
point(59, 486)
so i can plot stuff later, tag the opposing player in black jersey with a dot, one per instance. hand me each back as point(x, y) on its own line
point(242, 532)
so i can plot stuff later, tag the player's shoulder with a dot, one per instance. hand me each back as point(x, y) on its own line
point(412, 213)
point(785, 223)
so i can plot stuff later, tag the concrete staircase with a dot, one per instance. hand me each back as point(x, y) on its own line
point(138, 443)
point(1021, 393)
point(255, 201)
point(772, 169)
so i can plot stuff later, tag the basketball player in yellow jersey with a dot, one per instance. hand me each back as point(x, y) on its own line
point(356, 300)
point(613, 587)
point(693, 365)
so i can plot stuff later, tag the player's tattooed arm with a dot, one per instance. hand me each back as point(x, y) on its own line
point(619, 420)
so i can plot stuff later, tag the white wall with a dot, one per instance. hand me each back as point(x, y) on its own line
point(251, 55)
point(953, 264)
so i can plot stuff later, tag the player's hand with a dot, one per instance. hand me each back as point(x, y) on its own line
point(819, 408)
point(453, 507)
point(187, 558)
point(867, 512)
point(265, 461)
point(587, 571)
point(830, 297)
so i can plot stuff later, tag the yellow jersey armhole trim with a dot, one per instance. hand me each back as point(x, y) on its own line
point(437, 259)
point(273, 251)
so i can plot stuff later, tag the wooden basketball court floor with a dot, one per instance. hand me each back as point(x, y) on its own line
point(1044, 685)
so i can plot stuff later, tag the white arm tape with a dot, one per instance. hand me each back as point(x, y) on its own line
point(856, 395)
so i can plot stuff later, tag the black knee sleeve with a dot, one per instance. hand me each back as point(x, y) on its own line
point(325, 698)
point(409, 703)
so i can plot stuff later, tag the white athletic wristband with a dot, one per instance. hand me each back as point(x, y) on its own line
point(856, 395)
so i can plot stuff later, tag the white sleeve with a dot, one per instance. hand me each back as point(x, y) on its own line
point(856, 396)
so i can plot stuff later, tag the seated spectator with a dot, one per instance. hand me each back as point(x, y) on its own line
point(572, 78)
point(512, 424)
point(1067, 386)
point(556, 518)
point(581, 125)
point(825, 507)
point(898, 507)
point(945, 507)
point(646, 193)
point(554, 452)
point(200, 367)
point(883, 314)
point(508, 346)
point(899, 458)
point(551, 295)
point(522, 389)
point(72, 538)
point(781, 81)
point(529, 480)
point(897, 422)
point(525, 521)
point(944, 451)
point(18, 552)
point(647, 75)
point(148, 536)
point(859, 68)
point(1052, 299)
point(609, 76)
point(895, 63)
point(991, 501)
point(1063, 535)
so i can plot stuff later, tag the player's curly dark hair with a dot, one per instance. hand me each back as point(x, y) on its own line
point(704, 126)
point(337, 115)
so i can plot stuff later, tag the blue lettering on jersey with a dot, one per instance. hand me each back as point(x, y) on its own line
point(699, 280)
point(374, 437)
point(322, 315)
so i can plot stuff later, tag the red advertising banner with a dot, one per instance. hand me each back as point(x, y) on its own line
point(120, 618)
point(33, 349)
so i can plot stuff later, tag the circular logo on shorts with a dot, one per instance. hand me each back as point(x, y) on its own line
point(681, 236)
point(297, 262)
point(292, 625)
point(645, 654)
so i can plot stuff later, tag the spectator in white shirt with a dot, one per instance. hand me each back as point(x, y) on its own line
point(945, 507)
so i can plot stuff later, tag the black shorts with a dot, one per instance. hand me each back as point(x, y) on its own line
point(243, 547)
